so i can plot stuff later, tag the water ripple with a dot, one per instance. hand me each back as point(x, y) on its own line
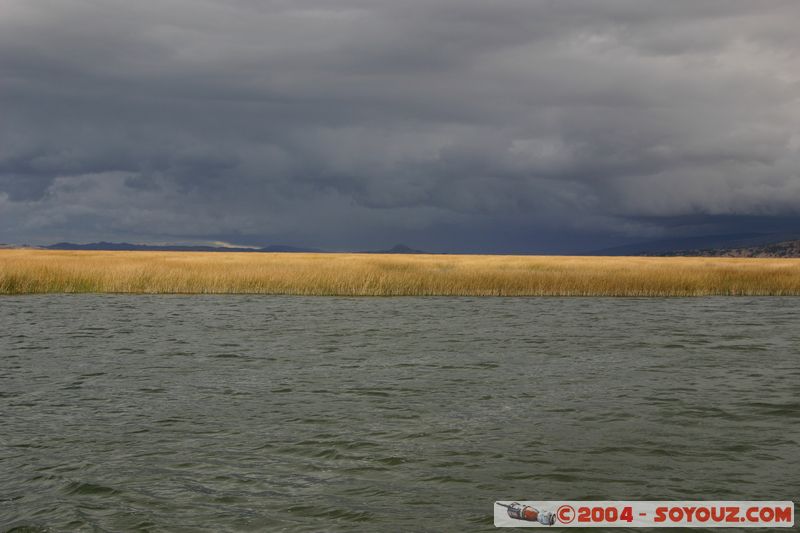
point(240, 413)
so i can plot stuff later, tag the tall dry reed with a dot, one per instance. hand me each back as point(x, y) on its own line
point(30, 271)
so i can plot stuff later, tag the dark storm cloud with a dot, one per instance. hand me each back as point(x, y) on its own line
point(458, 124)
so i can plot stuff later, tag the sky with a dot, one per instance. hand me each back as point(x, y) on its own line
point(498, 126)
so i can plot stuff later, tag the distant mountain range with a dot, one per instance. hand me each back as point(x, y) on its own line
point(124, 246)
point(778, 249)
point(740, 245)
point(735, 245)
point(397, 249)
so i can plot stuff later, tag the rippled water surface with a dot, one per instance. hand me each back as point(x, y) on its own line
point(189, 413)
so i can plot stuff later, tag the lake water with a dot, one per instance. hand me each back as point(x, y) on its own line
point(244, 413)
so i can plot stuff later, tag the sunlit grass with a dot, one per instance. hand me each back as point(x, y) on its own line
point(29, 271)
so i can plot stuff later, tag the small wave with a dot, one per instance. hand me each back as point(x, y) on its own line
point(331, 513)
point(91, 489)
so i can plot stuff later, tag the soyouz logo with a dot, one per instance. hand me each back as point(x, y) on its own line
point(644, 514)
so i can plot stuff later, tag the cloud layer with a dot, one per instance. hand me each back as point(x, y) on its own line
point(511, 125)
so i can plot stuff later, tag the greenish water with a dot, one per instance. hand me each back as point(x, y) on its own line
point(226, 413)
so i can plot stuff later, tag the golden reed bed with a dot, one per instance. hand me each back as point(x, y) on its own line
point(28, 271)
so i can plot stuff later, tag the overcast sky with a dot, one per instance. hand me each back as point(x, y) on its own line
point(450, 125)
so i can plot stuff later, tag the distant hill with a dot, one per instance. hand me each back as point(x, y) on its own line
point(688, 243)
point(778, 249)
point(750, 245)
point(275, 248)
point(281, 248)
point(397, 249)
point(124, 246)
point(696, 245)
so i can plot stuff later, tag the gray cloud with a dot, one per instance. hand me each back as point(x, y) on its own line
point(454, 124)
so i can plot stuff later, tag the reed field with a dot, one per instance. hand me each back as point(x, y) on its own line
point(33, 271)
